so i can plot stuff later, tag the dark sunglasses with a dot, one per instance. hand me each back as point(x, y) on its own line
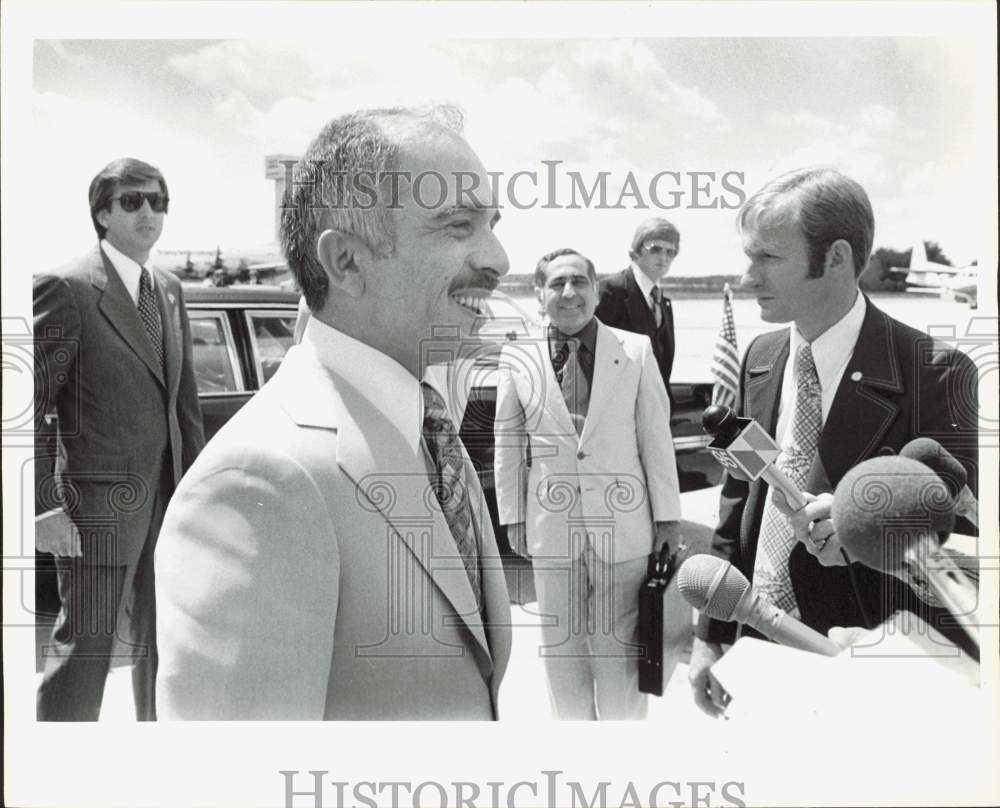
point(131, 201)
point(656, 249)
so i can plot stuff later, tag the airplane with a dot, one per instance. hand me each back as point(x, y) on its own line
point(258, 264)
point(953, 283)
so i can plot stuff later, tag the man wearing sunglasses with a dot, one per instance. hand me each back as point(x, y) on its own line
point(113, 360)
point(632, 299)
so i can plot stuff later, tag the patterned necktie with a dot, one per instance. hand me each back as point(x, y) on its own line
point(149, 313)
point(657, 296)
point(445, 449)
point(574, 385)
point(798, 448)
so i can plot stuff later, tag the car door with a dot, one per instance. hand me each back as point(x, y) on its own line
point(220, 376)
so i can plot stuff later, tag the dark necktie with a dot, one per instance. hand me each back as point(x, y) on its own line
point(657, 296)
point(798, 447)
point(448, 480)
point(574, 386)
point(149, 313)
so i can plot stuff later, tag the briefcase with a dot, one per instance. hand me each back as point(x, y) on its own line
point(660, 569)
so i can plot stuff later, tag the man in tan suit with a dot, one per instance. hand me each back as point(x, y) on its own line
point(586, 481)
point(330, 556)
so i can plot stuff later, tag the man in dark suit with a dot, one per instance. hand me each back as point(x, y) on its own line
point(632, 299)
point(113, 358)
point(845, 383)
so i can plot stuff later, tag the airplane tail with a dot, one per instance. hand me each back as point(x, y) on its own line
point(918, 256)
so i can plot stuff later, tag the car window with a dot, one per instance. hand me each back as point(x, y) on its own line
point(213, 353)
point(272, 333)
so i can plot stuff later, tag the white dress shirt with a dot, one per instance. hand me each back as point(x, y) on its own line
point(645, 285)
point(831, 350)
point(128, 270)
point(390, 387)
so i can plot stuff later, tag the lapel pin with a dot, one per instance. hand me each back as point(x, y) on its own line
point(170, 297)
point(856, 376)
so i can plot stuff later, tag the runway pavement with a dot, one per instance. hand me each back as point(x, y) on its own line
point(523, 697)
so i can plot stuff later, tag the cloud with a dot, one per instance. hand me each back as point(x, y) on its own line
point(542, 104)
point(801, 119)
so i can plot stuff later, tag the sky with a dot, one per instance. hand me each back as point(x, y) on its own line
point(897, 113)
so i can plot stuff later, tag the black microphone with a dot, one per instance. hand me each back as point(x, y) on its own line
point(891, 513)
point(745, 450)
point(719, 590)
point(933, 455)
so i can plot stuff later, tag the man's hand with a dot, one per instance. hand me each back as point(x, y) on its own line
point(55, 533)
point(709, 695)
point(812, 527)
point(517, 539)
point(669, 533)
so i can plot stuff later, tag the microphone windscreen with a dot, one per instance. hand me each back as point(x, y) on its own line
point(697, 577)
point(888, 497)
point(933, 455)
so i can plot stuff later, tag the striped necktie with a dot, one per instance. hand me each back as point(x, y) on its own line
point(448, 480)
point(798, 448)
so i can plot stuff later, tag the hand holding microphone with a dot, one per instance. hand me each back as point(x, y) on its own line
point(747, 452)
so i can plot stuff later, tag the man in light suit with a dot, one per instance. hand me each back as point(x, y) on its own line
point(878, 384)
point(113, 357)
point(320, 561)
point(632, 299)
point(587, 482)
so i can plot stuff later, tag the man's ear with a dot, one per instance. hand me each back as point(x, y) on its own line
point(839, 258)
point(102, 217)
point(346, 259)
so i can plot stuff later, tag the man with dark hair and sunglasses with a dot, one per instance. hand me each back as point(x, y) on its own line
point(113, 360)
point(632, 299)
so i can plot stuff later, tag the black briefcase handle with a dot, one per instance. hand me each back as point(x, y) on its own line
point(663, 566)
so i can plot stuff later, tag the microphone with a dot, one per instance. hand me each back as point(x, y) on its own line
point(746, 451)
point(942, 462)
point(719, 590)
point(890, 512)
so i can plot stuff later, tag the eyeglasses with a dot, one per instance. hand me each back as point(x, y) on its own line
point(655, 249)
point(131, 201)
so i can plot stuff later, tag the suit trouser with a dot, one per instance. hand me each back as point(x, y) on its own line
point(89, 633)
point(589, 613)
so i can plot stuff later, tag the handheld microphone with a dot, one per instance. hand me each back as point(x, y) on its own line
point(745, 450)
point(890, 512)
point(719, 590)
point(942, 462)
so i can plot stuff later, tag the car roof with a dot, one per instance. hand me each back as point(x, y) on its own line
point(239, 294)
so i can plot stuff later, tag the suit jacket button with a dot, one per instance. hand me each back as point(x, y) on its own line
point(580, 455)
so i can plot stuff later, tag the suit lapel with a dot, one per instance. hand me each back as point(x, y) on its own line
point(390, 477)
point(863, 408)
point(762, 389)
point(534, 367)
point(170, 317)
point(635, 302)
point(609, 362)
point(117, 306)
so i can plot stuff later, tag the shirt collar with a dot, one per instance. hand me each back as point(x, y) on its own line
point(586, 335)
point(833, 348)
point(128, 270)
point(390, 388)
point(641, 278)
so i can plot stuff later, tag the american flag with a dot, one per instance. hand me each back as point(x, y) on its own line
point(726, 356)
